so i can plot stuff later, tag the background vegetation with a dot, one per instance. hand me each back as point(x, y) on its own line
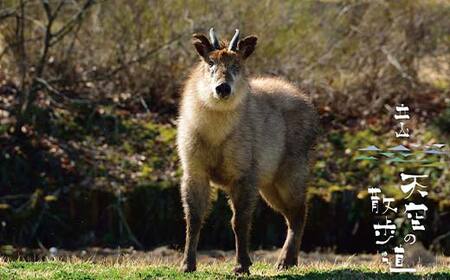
point(88, 102)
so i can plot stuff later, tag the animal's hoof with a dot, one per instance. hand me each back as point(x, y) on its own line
point(285, 264)
point(239, 270)
point(188, 267)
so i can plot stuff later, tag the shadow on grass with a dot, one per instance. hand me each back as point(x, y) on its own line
point(344, 274)
point(349, 274)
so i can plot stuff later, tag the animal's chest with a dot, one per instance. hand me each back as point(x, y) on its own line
point(231, 161)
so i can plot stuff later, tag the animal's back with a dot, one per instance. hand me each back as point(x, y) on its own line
point(287, 127)
point(281, 96)
point(279, 92)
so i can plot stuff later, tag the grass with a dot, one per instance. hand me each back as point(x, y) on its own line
point(78, 270)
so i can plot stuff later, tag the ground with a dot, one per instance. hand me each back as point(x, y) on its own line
point(162, 263)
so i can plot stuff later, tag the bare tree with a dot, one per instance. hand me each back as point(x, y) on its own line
point(32, 69)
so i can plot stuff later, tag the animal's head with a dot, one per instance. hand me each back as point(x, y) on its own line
point(222, 66)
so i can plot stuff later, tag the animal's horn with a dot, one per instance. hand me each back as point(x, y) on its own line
point(234, 41)
point(213, 38)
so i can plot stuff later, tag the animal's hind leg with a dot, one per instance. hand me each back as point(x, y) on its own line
point(295, 219)
point(291, 203)
point(291, 189)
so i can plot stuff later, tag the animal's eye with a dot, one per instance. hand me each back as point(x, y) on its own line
point(210, 63)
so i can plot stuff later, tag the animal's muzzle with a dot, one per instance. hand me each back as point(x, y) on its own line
point(223, 90)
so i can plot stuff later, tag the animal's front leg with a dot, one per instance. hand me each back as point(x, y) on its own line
point(195, 194)
point(243, 200)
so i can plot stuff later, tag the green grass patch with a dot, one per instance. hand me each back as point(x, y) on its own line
point(135, 270)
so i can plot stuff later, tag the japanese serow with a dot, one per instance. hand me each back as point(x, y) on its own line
point(245, 136)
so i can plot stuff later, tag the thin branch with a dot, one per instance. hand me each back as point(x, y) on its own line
point(126, 64)
point(6, 13)
point(9, 12)
point(59, 7)
point(48, 36)
point(68, 27)
point(17, 44)
point(20, 34)
point(47, 9)
point(127, 227)
point(68, 51)
point(142, 57)
point(47, 85)
point(440, 238)
point(65, 99)
point(394, 62)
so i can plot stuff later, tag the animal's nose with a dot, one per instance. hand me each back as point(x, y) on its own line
point(223, 90)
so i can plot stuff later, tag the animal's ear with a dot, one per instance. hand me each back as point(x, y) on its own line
point(247, 45)
point(201, 44)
